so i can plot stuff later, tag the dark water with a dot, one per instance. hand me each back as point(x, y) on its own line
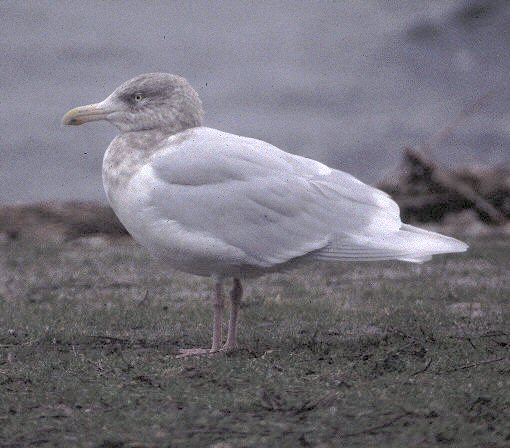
point(349, 83)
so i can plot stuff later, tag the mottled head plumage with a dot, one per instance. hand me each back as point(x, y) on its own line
point(150, 101)
point(156, 101)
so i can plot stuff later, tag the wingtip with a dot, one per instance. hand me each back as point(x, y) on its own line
point(460, 246)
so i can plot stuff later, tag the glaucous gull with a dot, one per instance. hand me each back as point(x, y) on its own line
point(220, 205)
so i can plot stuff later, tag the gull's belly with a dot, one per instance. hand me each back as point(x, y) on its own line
point(179, 247)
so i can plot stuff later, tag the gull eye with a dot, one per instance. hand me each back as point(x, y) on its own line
point(138, 97)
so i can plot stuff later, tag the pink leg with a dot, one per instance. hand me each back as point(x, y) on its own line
point(218, 318)
point(235, 301)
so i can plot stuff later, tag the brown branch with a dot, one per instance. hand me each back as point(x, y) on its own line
point(449, 181)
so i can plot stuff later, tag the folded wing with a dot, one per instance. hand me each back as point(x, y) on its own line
point(273, 206)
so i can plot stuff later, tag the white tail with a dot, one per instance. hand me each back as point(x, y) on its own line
point(408, 244)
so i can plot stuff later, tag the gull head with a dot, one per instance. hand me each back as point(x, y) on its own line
point(149, 101)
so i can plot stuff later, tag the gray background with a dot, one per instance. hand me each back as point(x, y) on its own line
point(349, 83)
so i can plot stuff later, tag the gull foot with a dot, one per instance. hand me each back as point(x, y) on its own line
point(187, 352)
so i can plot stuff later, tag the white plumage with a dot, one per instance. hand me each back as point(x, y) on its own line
point(211, 203)
point(217, 204)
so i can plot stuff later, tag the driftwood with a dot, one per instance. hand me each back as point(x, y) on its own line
point(427, 192)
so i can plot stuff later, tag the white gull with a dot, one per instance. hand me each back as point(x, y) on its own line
point(220, 205)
